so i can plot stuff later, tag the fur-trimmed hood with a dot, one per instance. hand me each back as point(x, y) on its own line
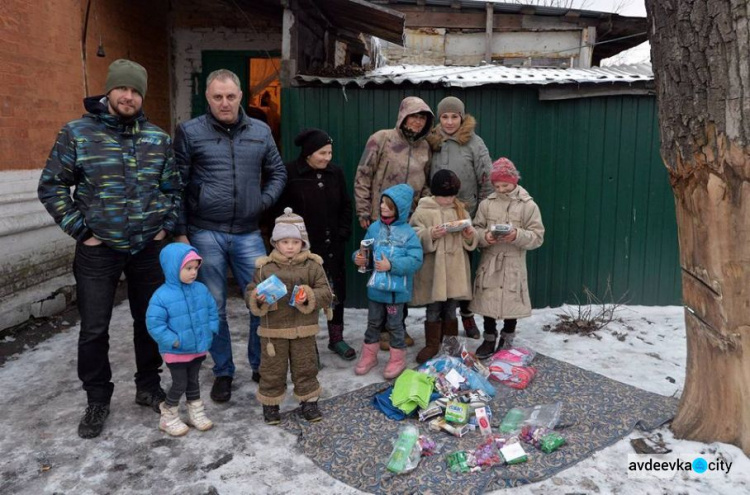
point(462, 136)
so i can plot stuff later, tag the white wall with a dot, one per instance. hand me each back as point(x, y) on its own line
point(35, 274)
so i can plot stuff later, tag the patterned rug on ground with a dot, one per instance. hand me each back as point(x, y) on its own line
point(354, 440)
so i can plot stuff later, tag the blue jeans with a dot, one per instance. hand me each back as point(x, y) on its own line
point(220, 250)
point(379, 317)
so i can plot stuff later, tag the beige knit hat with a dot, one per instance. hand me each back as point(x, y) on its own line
point(290, 225)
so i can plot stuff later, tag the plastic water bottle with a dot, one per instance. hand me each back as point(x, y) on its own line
point(407, 438)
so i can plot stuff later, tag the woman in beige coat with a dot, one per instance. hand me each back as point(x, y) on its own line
point(501, 287)
point(445, 277)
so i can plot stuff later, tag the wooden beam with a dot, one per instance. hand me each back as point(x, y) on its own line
point(288, 48)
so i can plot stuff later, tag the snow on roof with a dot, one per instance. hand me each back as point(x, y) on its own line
point(465, 77)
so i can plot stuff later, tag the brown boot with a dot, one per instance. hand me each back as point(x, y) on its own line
point(450, 328)
point(433, 334)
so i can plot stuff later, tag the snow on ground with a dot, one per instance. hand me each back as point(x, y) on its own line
point(43, 403)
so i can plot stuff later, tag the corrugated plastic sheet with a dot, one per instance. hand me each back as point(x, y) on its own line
point(466, 77)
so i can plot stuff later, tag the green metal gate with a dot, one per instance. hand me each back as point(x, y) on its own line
point(592, 165)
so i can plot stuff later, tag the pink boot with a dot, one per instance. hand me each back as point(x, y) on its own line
point(368, 358)
point(396, 364)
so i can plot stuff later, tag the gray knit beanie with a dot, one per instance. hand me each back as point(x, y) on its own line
point(126, 73)
point(290, 226)
point(451, 104)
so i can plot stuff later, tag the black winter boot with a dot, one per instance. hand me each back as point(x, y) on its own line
point(271, 415)
point(310, 411)
point(487, 348)
point(92, 423)
point(150, 398)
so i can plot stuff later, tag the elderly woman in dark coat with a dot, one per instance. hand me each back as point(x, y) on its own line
point(316, 189)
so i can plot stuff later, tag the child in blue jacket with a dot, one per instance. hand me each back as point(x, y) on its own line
point(182, 318)
point(397, 255)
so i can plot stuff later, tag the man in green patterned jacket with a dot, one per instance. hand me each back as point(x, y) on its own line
point(126, 199)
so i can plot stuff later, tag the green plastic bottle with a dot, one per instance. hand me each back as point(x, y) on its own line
point(407, 438)
point(512, 421)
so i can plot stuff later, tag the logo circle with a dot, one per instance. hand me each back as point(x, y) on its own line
point(700, 465)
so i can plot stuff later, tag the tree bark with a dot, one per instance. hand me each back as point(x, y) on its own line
point(700, 50)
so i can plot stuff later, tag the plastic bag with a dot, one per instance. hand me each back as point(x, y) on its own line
point(510, 375)
point(440, 367)
point(273, 288)
point(544, 415)
point(406, 452)
point(518, 356)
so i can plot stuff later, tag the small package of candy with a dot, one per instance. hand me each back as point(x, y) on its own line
point(456, 225)
point(551, 442)
point(365, 248)
point(501, 229)
point(487, 454)
point(458, 462)
point(297, 294)
point(273, 288)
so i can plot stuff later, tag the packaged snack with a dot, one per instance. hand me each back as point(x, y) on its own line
point(551, 442)
point(487, 454)
point(457, 462)
point(297, 293)
point(438, 424)
point(273, 288)
point(365, 248)
point(456, 225)
point(500, 229)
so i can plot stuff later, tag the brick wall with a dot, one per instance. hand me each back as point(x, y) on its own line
point(41, 71)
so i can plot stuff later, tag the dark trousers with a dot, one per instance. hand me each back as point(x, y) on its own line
point(441, 311)
point(465, 311)
point(490, 325)
point(97, 271)
point(184, 381)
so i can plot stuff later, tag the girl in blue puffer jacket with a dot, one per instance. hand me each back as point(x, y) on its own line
point(396, 256)
point(182, 318)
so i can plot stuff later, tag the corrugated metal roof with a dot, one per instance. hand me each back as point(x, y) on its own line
point(465, 77)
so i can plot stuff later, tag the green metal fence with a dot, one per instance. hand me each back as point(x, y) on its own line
point(592, 165)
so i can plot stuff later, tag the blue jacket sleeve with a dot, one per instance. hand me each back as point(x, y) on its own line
point(156, 323)
point(412, 261)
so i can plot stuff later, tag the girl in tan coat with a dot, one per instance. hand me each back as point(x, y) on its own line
point(445, 277)
point(501, 287)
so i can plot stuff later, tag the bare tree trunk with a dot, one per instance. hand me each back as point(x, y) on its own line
point(701, 57)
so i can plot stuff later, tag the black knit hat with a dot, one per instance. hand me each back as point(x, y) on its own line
point(445, 183)
point(311, 140)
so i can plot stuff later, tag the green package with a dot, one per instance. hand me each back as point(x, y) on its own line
point(551, 442)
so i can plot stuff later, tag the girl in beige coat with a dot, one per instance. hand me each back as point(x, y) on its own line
point(445, 277)
point(501, 285)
